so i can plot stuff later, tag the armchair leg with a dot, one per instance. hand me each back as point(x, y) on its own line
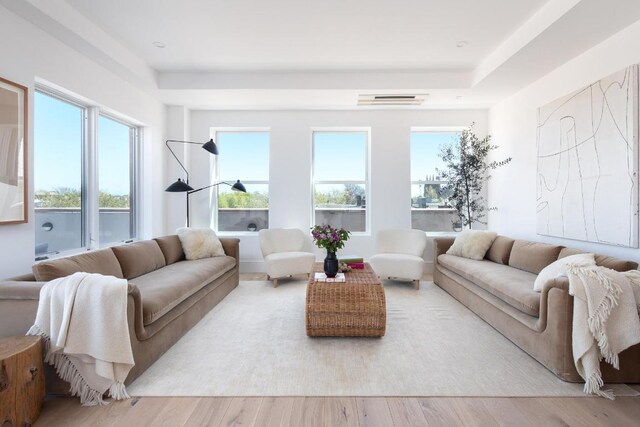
point(275, 283)
point(416, 283)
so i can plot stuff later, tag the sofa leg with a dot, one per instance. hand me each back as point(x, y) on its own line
point(416, 283)
point(275, 283)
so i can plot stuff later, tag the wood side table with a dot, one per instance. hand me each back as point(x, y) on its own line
point(355, 308)
point(21, 380)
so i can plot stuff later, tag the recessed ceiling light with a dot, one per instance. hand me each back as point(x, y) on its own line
point(462, 43)
point(459, 97)
point(159, 45)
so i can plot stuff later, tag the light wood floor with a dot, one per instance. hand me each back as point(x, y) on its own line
point(344, 411)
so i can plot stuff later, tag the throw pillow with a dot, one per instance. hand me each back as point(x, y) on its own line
point(558, 268)
point(472, 244)
point(200, 243)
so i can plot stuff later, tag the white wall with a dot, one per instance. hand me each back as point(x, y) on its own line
point(512, 124)
point(29, 53)
point(290, 165)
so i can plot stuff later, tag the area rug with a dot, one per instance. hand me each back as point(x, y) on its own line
point(254, 344)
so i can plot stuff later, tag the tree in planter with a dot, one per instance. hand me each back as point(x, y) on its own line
point(466, 171)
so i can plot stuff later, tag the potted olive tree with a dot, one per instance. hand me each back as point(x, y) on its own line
point(466, 170)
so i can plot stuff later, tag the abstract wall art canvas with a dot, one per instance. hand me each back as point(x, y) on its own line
point(13, 152)
point(587, 163)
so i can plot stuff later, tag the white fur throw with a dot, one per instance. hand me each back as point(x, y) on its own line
point(472, 244)
point(559, 268)
point(200, 243)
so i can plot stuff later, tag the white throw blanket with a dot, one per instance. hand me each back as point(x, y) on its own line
point(83, 319)
point(605, 319)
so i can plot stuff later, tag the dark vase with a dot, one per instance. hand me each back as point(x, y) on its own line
point(331, 264)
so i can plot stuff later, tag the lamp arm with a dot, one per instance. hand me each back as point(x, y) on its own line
point(209, 186)
point(176, 157)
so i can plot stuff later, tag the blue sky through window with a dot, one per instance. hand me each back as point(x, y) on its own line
point(58, 134)
point(339, 156)
point(58, 144)
point(243, 156)
point(114, 157)
point(425, 152)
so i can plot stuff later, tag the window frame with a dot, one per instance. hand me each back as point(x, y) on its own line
point(89, 187)
point(134, 178)
point(367, 168)
point(427, 129)
point(213, 191)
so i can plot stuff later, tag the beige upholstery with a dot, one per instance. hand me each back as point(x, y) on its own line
point(171, 248)
point(167, 303)
point(286, 252)
point(501, 296)
point(513, 286)
point(101, 262)
point(500, 250)
point(603, 260)
point(161, 290)
point(139, 258)
point(399, 254)
point(532, 256)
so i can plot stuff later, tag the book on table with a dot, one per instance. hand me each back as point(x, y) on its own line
point(351, 259)
point(321, 277)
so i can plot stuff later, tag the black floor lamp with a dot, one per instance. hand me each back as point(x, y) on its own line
point(181, 186)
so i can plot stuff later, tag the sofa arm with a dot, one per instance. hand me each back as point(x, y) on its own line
point(554, 300)
point(231, 247)
point(18, 306)
point(441, 246)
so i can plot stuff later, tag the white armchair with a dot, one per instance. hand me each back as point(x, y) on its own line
point(399, 255)
point(286, 252)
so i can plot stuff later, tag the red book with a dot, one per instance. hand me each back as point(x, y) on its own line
point(356, 265)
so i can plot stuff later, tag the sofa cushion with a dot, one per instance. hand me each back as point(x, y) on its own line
point(101, 262)
point(603, 260)
point(161, 290)
point(472, 244)
point(139, 258)
point(198, 243)
point(171, 248)
point(500, 250)
point(532, 256)
point(513, 286)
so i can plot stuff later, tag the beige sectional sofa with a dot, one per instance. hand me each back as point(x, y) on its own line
point(499, 289)
point(167, 294)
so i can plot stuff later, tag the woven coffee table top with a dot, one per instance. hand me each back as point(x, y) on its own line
point(366, 276)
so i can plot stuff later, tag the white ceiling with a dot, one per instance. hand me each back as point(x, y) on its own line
point(320, 54)
point(309, 34)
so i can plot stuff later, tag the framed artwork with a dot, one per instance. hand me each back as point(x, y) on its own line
point(13, 152)
point(587, 179)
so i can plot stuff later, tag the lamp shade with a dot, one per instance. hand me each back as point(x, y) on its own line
point(210, 146)
point(179, 187)
point(238, 186)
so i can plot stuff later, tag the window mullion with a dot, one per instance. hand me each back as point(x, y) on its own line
point(90, 184)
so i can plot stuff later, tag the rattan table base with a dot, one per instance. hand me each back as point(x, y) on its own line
point(355, 308)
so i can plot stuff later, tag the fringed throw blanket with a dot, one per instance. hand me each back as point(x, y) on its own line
point(83, 320)
point(605, 319)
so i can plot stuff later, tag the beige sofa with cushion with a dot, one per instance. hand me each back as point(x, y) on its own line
point(499, 289)
point(167, 294)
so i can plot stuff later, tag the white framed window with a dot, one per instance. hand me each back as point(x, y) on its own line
point(340, 178)
point(244, 156)
point(117, 171)
point(85, 176)
point(430, 208)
